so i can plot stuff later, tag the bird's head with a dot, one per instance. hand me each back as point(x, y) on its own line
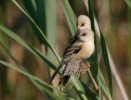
point(83, 22)
point(86, 35)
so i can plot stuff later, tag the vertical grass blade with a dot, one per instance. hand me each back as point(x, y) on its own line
point(41, 15)
point(104, 50)
point(96, 68)
point(128, 2)
point(33, 8)
point(104, 86)
point(106, 61)
point(51, 25)
point(70, 16)
point(39, 31)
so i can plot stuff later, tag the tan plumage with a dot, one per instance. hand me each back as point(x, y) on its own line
point(83, 22)
point(80, 48)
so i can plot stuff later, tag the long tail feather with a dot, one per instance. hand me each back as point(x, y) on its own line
point(56, 71)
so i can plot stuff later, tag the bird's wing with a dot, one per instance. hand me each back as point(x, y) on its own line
point(72, 50)
point(74, 47)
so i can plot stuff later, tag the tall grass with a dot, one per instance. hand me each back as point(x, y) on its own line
point(43, 15)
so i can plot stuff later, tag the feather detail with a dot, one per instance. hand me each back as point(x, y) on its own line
point(71, 50)
point(56, 71)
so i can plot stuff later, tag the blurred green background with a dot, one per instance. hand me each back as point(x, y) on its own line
point(114, 18)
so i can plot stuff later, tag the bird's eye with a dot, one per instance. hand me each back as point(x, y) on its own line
point(84, 34)
point(82, 24)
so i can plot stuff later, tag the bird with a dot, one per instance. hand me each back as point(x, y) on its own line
point(80, 48)
point(83, 22)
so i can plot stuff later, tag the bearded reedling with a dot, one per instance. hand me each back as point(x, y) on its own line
point(80, 48)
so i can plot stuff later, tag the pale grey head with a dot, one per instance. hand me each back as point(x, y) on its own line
point(83, 22)
point(86, 35)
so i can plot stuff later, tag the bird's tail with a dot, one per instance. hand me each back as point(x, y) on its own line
point(56, 71)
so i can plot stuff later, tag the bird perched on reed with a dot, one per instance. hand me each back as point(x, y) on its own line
point(80, 48)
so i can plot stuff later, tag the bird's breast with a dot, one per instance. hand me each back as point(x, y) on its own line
point(87, 49)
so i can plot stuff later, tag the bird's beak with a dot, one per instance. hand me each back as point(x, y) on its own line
point(78, 26)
